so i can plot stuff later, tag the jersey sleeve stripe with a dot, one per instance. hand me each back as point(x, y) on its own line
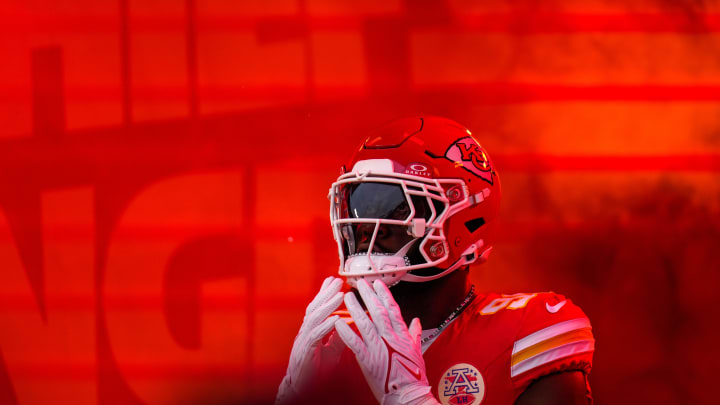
point(559, 352)
point(550, 332)
point(551, 343)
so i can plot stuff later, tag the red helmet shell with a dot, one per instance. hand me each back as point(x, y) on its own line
point(439, 148)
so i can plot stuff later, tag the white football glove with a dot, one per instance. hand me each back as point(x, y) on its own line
point(310, 358)
point(389, 354)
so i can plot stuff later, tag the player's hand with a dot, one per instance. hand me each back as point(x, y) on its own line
point(309, 357)
point(389, 354)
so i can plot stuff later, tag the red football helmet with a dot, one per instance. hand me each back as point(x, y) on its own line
point(417, 201)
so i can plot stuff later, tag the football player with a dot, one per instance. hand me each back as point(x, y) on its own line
point(413, 209)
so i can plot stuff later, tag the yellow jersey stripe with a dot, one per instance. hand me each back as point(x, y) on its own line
point(566, 350)
point(551, 343)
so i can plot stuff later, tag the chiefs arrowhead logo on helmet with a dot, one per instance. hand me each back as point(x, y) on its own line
point(466, 152)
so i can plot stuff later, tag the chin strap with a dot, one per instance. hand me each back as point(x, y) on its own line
point(472, 254)
point(356, 266)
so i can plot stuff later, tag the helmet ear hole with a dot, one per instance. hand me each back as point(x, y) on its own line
point(474, 224)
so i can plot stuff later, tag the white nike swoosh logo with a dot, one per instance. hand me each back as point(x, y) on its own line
point(554, 308)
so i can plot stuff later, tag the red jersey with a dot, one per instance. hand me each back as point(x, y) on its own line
point(489, 354)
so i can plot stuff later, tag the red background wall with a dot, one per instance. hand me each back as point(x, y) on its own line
point(164, 167)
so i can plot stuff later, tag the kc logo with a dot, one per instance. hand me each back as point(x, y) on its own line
point(466, 152)
point(461, 384)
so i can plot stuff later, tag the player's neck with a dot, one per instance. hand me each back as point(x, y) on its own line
point(432, 301)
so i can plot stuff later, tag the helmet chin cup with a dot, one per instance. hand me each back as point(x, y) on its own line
point(378, 266)
point(364, 265)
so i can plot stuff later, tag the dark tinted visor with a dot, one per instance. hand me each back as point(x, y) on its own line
point(384, 201)
point(377, 201)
